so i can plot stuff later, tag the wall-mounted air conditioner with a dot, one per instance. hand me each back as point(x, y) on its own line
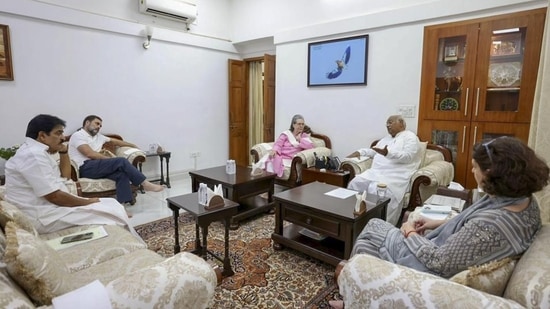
point(184, 11)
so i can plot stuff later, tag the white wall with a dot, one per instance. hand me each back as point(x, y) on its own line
point(395, 31)
point(75, 64)
point(71, 63)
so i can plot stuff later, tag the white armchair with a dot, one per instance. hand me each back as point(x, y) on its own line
point(106, 187)
point(292, 175)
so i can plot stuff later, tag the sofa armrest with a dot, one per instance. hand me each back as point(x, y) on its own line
point(134, 155)
point(182, 281)
point(260, 150)
point(369, 282)
point(307, 156)
point(425, 181)
point(356, 167)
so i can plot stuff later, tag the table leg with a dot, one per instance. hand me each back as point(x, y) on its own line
point(198, 246)
point(204, 252)
point(176, 214)
point(168, 172)
point(227, 271)
point(161, 170)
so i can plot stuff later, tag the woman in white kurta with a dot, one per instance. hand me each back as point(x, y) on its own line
point(395, 158)
point(34, 184)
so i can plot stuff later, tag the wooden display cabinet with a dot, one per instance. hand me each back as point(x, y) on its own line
point(479, 75)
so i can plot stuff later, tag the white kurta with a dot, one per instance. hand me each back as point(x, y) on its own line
point(33, 173)
point(395, 169)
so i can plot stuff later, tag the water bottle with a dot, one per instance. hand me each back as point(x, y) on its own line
point(203, 191)
point(233, 166)
point(228, 167)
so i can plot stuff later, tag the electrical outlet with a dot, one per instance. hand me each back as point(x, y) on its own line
point(194, 154)
point(407, 111)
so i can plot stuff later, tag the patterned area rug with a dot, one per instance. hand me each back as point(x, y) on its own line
point(264, 277)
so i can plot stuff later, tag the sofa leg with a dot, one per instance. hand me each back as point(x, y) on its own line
point(338, 270)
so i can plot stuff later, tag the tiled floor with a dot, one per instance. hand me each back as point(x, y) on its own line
point(152, 206)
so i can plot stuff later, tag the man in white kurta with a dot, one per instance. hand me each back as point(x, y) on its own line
point(35, 185)
point(395, 158)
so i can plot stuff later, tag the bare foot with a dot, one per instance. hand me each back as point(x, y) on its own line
point(336, 304)
point(147, 186)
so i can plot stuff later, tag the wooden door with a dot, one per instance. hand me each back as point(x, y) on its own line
point(269, 98)
point(453, 135)
point(238, 113)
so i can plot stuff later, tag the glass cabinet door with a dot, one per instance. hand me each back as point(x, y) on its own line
point(446, 83)
point(454, 136)
point(506, 75)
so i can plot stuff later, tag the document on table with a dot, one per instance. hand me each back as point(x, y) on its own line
point(341, 193)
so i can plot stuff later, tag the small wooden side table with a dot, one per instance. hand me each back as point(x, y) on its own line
point(203, 218)
point(162, 155)
point(336, 178)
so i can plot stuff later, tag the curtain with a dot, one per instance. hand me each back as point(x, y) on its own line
point(539, 133)
point(256, 99)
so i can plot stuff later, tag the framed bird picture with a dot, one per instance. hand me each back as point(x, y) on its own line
point(338, 62)
point(6, 71)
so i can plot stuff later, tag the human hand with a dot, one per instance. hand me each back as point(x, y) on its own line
point(382, 151)
point(423, 224)
point(272, 153)
point(93, 200)
point(407, 227)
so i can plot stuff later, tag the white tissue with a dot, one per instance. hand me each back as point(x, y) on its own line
point(360, 197)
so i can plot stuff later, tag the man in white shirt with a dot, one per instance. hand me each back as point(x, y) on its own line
point(35, 183)
point(395, 158)
point(85, 148)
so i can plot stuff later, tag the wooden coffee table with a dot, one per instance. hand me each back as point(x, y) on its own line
point(203, 218)
point(240, 187)
point(308, 207)
point(337, 178)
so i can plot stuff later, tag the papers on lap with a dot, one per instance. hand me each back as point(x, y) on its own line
point(99, 232)
point(441, 200)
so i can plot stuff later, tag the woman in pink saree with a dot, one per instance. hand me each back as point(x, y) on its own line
point(289, 143)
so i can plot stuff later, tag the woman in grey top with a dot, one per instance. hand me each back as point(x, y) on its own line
point(501, 224)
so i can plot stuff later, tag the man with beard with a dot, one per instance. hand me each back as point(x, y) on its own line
point(85, 148)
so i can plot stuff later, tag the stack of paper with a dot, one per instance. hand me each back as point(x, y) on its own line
point(441, 200)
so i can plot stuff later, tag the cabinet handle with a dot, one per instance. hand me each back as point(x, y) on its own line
point(308, 220)
point(475, 135)
point(477, 100)
point(466, 102)
point(463, 138)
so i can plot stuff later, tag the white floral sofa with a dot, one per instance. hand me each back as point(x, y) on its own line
point(436, 169)
point(368, 282)
point(32, 273)
point(292, 175)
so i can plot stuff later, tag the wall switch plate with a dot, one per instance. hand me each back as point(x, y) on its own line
point(407, 111)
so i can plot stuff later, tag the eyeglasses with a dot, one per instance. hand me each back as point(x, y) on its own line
point(488, 151)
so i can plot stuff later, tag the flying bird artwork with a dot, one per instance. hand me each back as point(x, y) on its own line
point(340, 64)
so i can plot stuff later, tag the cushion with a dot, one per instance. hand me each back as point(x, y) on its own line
point(491, 277)
point(34, 265)
point(11, 295)
point(2, 192)
point(422, 153)
point(8, 212)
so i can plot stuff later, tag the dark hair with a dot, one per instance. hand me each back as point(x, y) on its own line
point(294, 119)
point(90, 118)
point(42, 122)
point(510, 167)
